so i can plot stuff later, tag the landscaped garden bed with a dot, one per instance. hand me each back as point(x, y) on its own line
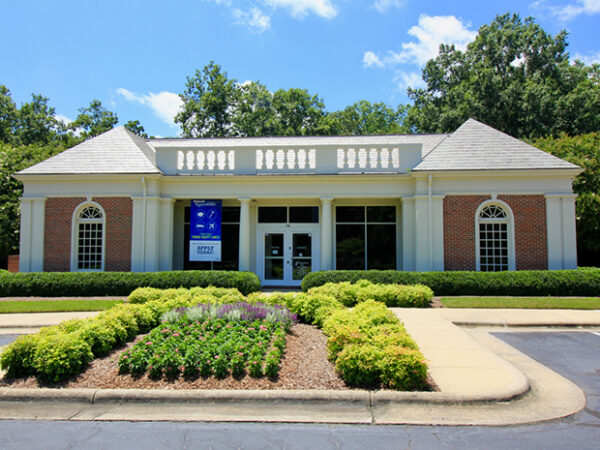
point(217, 338)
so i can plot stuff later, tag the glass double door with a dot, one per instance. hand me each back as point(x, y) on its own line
point(287, 256)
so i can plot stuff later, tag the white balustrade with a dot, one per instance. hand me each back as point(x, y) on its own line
point(368, 159)
point(289, 160)
point(205, 161)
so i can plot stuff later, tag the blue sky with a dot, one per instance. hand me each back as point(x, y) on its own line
point(135, 55)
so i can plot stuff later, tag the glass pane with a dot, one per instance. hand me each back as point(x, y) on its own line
point(302, 245)
point(230, 246)
point(274, 245)
point(350, 247)
point(381, 214)
point(381, 247)
point(272, 214)
point(350, 213)
point(274, 269)
point(230, 214)
point(304, 214)
point(274, 256)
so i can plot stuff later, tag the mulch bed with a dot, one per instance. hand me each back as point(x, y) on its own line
point(304, 366)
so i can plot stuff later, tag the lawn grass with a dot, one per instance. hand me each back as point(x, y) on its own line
point(19, 306)
point(522, 302)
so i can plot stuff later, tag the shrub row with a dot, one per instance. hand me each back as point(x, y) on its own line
point(368, 344)
point(56, 353)
point(579, 282)
point(62, 284)
point(393, 295)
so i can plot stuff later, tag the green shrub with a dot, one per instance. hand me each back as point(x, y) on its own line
point(360, 365)
point(144, 294)
point(394, 295)
point(60, 356)
point(61, 284)
point(17, 358)
point(583, 282)
point(402, 368)
point(342, 336)
point(99, 337)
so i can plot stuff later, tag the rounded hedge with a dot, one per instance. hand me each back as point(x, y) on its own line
point(584, 282)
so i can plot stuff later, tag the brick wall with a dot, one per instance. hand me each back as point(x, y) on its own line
point(531, 248)
point(531, 245)
point(57, 234)
point(13, 263)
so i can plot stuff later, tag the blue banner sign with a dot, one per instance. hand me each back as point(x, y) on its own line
point(205, 230)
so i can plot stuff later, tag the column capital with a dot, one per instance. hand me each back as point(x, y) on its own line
point(244, 199)
point(326, 199)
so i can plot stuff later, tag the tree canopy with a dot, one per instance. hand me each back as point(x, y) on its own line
point(515, 77)
point(94, 120)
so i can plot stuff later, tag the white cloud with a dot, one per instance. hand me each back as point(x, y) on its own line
point(593, 58)
point(370, 59)
point(383, 5)
point(164, 104)
point(254, 19)
point(63, 119)
point(301, 8)
point(409, 79)
point(569, 11)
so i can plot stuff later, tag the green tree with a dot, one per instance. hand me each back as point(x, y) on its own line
point(37, 123)
point(136, 127)
point(297, 113)
point(208, 102)
point(514, 77)
point(13, 159)
point(584, 151)
point(364, 118)
point(253, 113)
point(9, 115)
point(94, 120)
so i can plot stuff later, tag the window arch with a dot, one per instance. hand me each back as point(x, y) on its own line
point(87, 252)
point(494, 228)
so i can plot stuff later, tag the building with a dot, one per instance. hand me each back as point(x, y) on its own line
point(476, 199)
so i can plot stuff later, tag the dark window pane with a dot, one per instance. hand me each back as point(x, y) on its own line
point(186, 214)
point(272, 214)
point(350, 213)
point(381, 214)
point(381, 247)
point(304, 214)
point(231, 214)
point(350, 247)
point(230, 248)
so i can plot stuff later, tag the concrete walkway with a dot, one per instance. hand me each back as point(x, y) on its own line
point(27, 323)
point(481, 379)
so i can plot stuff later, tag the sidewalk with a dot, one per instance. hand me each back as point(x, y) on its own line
point(27, 323)
point(481, 379)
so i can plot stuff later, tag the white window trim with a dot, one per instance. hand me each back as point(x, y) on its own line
point(75, 236)
point(510, 228)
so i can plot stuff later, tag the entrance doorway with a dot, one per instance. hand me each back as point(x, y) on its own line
point(287, 254)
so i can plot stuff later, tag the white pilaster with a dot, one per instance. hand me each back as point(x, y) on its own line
point(165, 254)
point(422, 262)
point(152, 234)
point(244, 264)
point(137, 235)
point(561, 233)
point(31, 240)
point(326, 233)
point(408, 234)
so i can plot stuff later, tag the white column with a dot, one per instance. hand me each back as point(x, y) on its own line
point(561, 232)
point(569, 238)
point(165, 255)
point(31, 239)
point(408, 234)
point(326, 233)
point(152, 234)
point(422, 262)
point(244, 264)
point(137, 235)
point(437, 226)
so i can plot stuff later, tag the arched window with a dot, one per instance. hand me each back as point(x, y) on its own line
point(495, 248)
point(88, 238)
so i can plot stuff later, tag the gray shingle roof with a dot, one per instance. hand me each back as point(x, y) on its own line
point(116, 151)
point(428, 141)
point(476, 146)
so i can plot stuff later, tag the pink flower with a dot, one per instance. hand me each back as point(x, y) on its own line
point(148, 343)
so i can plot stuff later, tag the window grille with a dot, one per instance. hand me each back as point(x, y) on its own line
point(493, 239)
point(90, 229)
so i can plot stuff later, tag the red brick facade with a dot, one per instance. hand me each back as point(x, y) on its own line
point(58, 225)
point(531, 248)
